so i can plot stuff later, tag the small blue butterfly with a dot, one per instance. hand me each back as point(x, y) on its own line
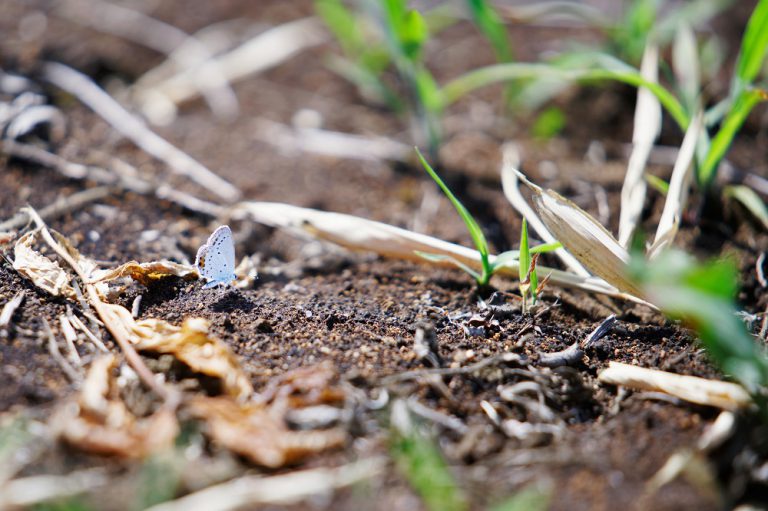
point(215, 261)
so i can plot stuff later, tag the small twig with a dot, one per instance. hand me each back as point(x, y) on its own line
point(53, 349)
point(504, 358)
point(136, 307)
point(574, 353)
point(90, 335)
point(446, 421)
point(122, 175)
point(9, 309)
point(70, 336)
point(111, 111)
point(759, 268)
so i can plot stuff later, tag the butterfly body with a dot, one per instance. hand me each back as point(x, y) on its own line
point(215, 261)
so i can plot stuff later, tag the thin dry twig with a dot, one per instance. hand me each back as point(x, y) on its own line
point(121, 175)
point(111, 111)
point(282, 489)
point(504, 358)
point(53, 349)
point(90, 335)
point(62, 206)
point(759, 270)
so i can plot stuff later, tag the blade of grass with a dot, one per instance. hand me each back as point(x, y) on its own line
point(490, 24)
point(488, 75)
point(442, 258)
point(478, 238)
point(754, 45)
point(750, 200)
point(732, 123)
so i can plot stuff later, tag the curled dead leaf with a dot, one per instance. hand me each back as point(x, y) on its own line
point(44, 272)
point(99, 422)
point(259, 434)
point(192, 345)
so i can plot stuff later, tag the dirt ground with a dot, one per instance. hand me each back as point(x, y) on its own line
point(315, 304)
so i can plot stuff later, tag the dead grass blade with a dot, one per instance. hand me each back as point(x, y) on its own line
point(331, 143)
point(389, 241)
point(720, 394)
point(677, 196)
point(184, 50)
point(511, 186)
point(118, 117)
point(289, 488)
point(266, 50)
point(100, 422)
point(646, 129)
point(584, 237)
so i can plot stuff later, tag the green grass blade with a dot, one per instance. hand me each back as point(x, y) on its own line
point(419, 460)
point(342, 23)
point(510, 258)
point(728, 130)
point(488, 75)
point(657, 184)
point(441, 258)
point(478, 238)
point(525, 261)
point(546, 247)
point(750, 200)
point(527, 499)
point(490, 24)
point(754, 45)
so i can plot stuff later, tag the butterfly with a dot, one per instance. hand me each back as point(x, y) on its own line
point(215, 261)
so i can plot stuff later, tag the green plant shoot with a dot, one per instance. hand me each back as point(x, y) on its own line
point(529, 281)
point(509, 258)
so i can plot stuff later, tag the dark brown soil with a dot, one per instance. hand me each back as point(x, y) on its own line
point(315, 303)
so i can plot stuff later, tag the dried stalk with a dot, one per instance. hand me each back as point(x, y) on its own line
point(152, 33)
point(111, 111)
point(720, 394)
point(293, 487)
point(677, 195)
point(646, 129)
point(360, 234)
point(9, 309)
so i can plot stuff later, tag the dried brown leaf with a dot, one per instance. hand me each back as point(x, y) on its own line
point(192, 345)
point(259, 434)
point(145, 273)
point(43, 271)
point(99, 422)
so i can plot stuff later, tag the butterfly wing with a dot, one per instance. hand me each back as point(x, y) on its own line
point(215, 260)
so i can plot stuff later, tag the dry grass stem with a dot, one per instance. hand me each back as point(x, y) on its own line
point(510, 184)
point(720, 394)
point(104, 105)
point(366, 235)
point(77, 323)
point(331, 143)
point(150, 32)
point(53, 349)
point(71, 337)
point(646, 129)
point(268, 49)
point(677, 196)
point(282, 489)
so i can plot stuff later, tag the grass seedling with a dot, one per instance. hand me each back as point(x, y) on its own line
point(702, 296)
point(530, 282)
point(489, 267)
point(728, 115)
